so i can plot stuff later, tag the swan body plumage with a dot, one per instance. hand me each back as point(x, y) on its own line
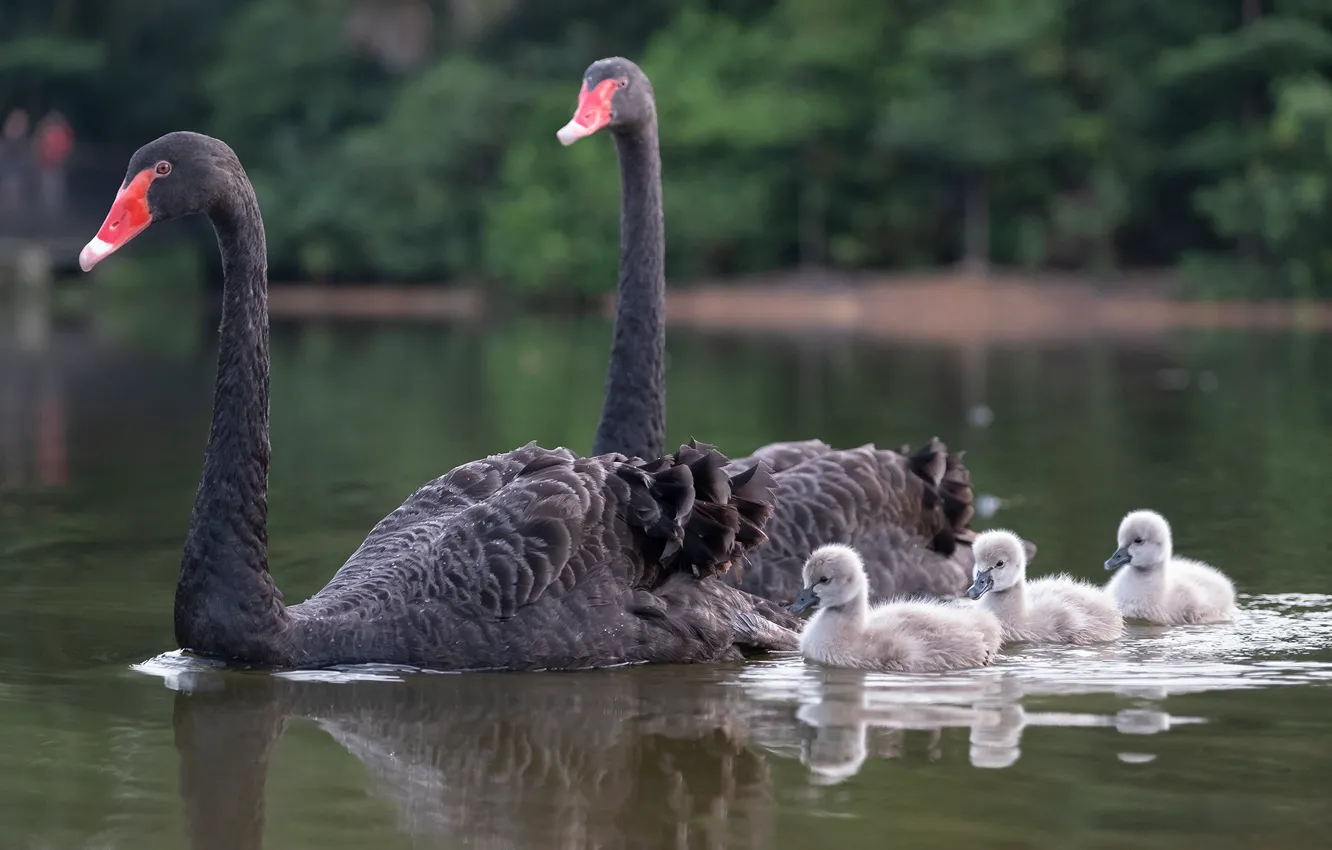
point(908, 513)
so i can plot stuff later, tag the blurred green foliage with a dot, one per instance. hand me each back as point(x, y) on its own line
point(414, 139)
point(150, 300)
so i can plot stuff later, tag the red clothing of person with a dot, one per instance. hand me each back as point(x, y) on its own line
point(55, 141)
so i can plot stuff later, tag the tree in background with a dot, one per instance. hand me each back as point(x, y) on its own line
point(414, 139)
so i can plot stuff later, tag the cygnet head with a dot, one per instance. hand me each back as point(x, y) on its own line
point(1144, 542)
point(1001, 562)
point(834, 575)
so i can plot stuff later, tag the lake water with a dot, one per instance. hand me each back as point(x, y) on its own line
point(1217, 737)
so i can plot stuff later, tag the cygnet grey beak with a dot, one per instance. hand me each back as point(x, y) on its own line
point(806, 600)
point(983, 584)
point(1119, 559)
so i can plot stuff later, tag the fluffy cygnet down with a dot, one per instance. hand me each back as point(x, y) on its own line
point(1054, 609)
point(1155, 585)
point(907, 637)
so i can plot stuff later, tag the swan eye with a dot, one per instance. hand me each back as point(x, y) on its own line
point(1137, 540)
point(998, 564)
point(624, 82)
point(823, 580)
point(163, 168)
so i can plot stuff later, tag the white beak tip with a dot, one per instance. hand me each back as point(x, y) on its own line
point(93, 253)
point(571, 132)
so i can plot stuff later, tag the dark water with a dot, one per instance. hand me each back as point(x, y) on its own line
point(1212, 737)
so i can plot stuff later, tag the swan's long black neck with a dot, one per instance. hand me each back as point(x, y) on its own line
point(633, 415)
point(226, 603)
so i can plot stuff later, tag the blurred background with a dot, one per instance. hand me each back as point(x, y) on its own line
point(397, 141)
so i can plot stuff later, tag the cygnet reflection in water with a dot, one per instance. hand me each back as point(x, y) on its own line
point(837, 736)
point(846, 712)
point(844, 728)
point(996, 741)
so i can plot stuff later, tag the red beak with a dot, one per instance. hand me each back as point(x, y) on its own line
point(128, 217)
point(593, 113)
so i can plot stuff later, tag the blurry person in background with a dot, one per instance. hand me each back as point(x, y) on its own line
point(53, 142)
point(13, 160)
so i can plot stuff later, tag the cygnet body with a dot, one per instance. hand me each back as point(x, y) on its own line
point(1054, 609)
point(906, 637)
point(1156, 586)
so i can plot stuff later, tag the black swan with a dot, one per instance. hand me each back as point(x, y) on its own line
point(908, 514)
point(527, 560)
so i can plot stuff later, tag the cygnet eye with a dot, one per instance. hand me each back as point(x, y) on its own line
point(823, 580)
point(1137, 540)
point(998, 564)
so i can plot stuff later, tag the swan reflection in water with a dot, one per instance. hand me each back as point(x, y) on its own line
point(854, 720)
point(609, 760)
point(628, 758)
point(680, 757)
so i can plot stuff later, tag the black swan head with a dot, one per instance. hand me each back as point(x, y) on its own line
point(616, 94)
point(177, 175)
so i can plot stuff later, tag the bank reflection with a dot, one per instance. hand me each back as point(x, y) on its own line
point(33, 440)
